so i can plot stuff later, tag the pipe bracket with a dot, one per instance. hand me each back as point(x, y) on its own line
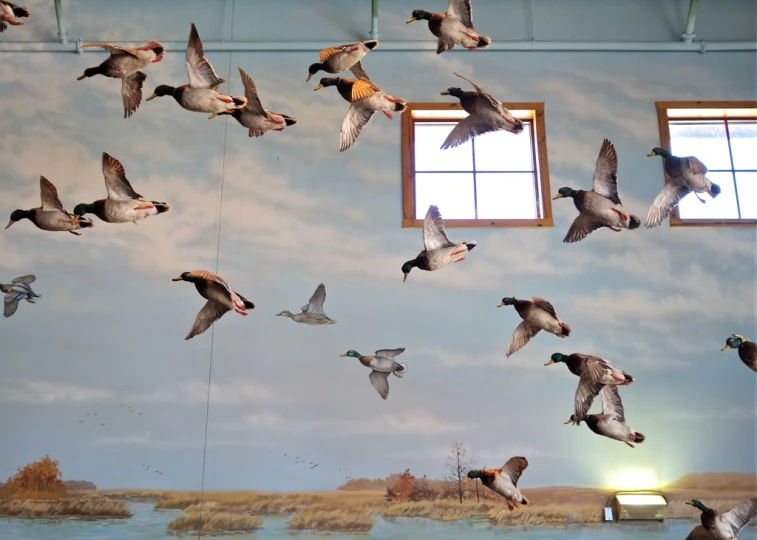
point(79, 48)
point(702, 46)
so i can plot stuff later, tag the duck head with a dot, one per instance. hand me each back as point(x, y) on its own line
point(185, 276)
point(83, 208)
point(419, 15)
point(18, 215)
point(564, 192)
point(507, 301)
point(162, 90)
point(557, 357)
point(284, 313)
point(733, 342)
point(473, 474)
point(697, 504)
point(657, 151)
point(409, 265)
point(571, 420)
point(457, 92)
point(327, 81)
point(313, 69)
point(351, 354)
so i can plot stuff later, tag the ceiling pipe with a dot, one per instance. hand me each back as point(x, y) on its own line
point(62, 35)
point(407, 46)
point(374, 33)
point(689, 34)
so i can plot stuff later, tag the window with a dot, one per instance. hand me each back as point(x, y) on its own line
point(723, 136)
point(497, 179)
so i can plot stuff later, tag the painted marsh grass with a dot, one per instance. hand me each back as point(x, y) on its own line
point(212, 521)
point(80, 507)
point(332, 520)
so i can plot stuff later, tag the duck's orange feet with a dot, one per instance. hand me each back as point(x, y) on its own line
point(618, 377)
point(278, 129)
point(76, 233)
point(461, 259)
point(145, 207)
point(621, 213)
point(388, 115)
point(459, 252)
point(629, 444)
point(614, 229)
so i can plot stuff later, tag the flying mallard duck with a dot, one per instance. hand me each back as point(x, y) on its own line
point(726, 526)
point(220, 299)
point(537, 315)
point(123, 204)
point(747, 349)
point(365, 100)
point(438, 249)
point(454, 27)
point(504, 481)
point(594, 373)
point(201, 94)
point(51, 216)
point(612, 422)
point(597, 207)
point(125, 64)
point(11, 13)
point(485, 114)
point(19, 289)
point(312, 313)
point(685, 174)
point(382, 364)
point(342, 57)
point(253, 116)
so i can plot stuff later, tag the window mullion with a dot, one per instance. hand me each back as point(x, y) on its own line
point(733, 167)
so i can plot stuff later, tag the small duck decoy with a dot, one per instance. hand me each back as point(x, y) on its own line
point(612, 422)
point(537, 314)
point(504, 480)
point(19, 289)
point(50, 216)
point(342, 57)
point(453, 27)
point(747, 350)
point(12, 14)
point(728, 525)
point(312, 312)
point(220, 299)
point(123, 205)
point(125, 64)
point(382, 364)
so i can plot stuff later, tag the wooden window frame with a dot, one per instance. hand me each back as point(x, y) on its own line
point(663, 121)
point(539, 149)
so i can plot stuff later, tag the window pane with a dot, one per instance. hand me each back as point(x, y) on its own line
point(429, 137)
point(506, 196)
point(746, 182)
point(722, 207)
point(706, 140)
point(743, 144)
point(503, 151)
point(451, 192)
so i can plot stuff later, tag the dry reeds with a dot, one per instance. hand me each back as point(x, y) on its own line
point(215, 522)
point(82, 507)
point(332, 520)
point(441, 510)
point(553, 515)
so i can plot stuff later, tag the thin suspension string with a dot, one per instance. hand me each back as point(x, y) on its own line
point(212, 330)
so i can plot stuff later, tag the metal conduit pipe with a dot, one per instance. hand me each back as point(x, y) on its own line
point(374, 33)
point(689, 34)
point(406, 46)
point(62, 35)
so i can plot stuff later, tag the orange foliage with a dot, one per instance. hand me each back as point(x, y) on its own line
point(401, 487)
point(38, 480)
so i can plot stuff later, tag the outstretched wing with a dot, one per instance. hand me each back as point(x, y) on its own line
point(461, 9)
point(380, 381)
point(210, 313)
point(513, 468)
point(210, 276)
point(390, 353)
point(611, 402)
point(49, 195)
point(700, 533)
point(494, 101)
point(606, 173)
point(358, 71)
point(470, 126)
point(25, 279)
point(545, 305)
point(251, 93)
point(114, 49)
point(200, 71)
point(131, 92)
point(585, 393)
point(119, 188)
point(670, 195)
point(741, 514)
point(10, 304)
point(362, 89)
point(522, 335)
point(581, 227)
point(434, 234)
point(315, 305)
point(354, 121)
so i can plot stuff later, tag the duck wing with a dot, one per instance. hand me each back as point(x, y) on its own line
point(114, 49)
point(587, 390)
point(25, 279)
point(390, 353)
point(696, 166)
point(494, 101)
point(470, 126)
point(119, 188)
point(581, 227)
point(522, 335)
point(358, 71)
point(700, 533)
point(434, 234)
point(49, 195)
point(606, 173)
point(19, 12)
point(199, 70)
point(741, 514)
point(131, 92)
point(545, 305)
point(315, 304)
point(444, 45)
point(210, 276)
point(251, 93)
point(380, 381)
point(611, 402)
point(10, 304)
point(463, 10)
point(513, 468)
point(210, 313)
point(670, 195)
point(354, 121)
point(362, 89)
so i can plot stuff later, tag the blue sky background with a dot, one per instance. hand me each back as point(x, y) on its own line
point(295, 212)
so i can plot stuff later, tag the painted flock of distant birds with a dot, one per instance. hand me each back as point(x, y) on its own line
point(598, 208)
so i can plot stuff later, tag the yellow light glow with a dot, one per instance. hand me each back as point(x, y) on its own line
point(632, 499)
point(635, 479)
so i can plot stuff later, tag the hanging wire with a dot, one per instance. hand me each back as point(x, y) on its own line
point(212, 330)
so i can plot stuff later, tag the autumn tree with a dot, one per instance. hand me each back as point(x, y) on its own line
point(39, 479)
point(422, 490)
point(402, 486)
point(457, 467)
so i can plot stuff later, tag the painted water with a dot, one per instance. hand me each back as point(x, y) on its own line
point(147, 524)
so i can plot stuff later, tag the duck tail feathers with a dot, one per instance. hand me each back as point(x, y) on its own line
point(239, 101)
point(401, 372)
point(638, 437)
point(629, 378)
point(400, 105)
point(566, 330)
point(484, 42)
point(633, 222)
point(470, 244)
point(371, 44)
point(161, 206)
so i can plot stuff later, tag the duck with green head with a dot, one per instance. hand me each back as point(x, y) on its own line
point(726, 526)
point(453, 27)
point(504, 480)
point(594, 373)
point(598, 207)
point(341, 57)
point(685, 175)
point(381, 364)
point(747, 350)
point(537, 314)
